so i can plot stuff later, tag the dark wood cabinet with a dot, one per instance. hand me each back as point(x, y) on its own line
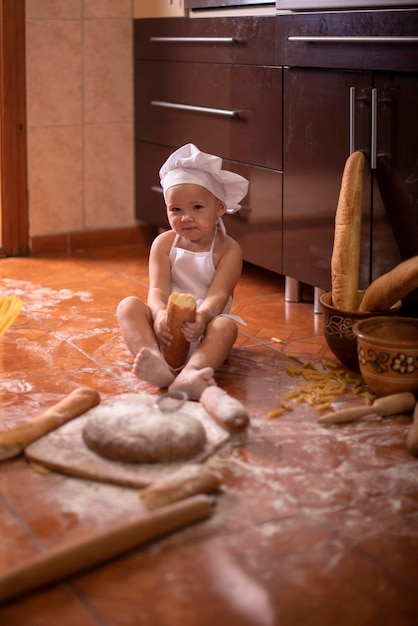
point(202, 81)
point(395, 178)
point(284, 100)
point(334, 104)
point(317, 143)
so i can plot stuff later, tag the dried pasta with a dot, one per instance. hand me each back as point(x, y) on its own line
point(319, 387)
point(9, 310)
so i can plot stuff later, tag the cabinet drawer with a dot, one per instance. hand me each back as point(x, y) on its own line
point(376, 39)
point(257, 226)
point(233, 111)
point(246, 40)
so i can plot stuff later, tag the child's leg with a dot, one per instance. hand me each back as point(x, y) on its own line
point(136, 327)
point(211, 352)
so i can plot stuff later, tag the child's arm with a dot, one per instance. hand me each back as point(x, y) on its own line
point(160, 285)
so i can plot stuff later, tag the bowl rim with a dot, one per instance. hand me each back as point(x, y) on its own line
point(389, 342)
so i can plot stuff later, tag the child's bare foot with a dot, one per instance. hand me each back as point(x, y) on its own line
point(151, 367)
point(193, 381)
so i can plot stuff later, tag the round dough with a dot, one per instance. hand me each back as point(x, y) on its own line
point(141, 435)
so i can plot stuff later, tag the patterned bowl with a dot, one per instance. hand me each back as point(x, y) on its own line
point(388, 353)
point(338, 328)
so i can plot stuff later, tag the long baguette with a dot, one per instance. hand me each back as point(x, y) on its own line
point(189, 480)
point(386, 290)
point(14, 441)
point(345, 260)
point(181, 308)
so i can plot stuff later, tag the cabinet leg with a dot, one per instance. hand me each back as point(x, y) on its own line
point(317, 294)
point(292, 290)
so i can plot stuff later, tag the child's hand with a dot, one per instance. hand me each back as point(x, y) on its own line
point(161, 329)
point(193, 330)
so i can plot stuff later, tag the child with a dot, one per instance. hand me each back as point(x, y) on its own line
point(196, 257)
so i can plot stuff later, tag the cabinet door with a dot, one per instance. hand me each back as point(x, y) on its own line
point(395, 189)
point(316, 146)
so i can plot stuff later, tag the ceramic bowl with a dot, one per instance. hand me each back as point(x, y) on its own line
point(388, 353)
point(338, 328)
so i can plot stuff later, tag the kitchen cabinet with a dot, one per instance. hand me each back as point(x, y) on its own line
point(316, 146)
point(345, 91)
point(202, 81)
point(283, 100)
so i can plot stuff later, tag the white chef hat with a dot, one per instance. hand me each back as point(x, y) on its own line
point(189, 165)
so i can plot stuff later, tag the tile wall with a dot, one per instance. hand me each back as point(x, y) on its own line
point(80, 115)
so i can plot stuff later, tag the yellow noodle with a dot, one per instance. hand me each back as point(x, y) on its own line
point(276, 413)
point(295, 357)
point(320, 387)
point(323, 407)
point(286, 406)
point(9, 310)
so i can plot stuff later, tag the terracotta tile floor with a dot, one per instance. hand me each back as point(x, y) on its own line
point(313, 525)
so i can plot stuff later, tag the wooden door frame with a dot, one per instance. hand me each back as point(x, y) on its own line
point(13, 149)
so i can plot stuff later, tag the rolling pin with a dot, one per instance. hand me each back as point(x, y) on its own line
point(14, 441)
point(389, 405)
point(224, 410)
point(412, 437)
point(78, 556)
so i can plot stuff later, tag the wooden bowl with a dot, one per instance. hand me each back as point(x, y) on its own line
point(338, 328)
point(388, 353)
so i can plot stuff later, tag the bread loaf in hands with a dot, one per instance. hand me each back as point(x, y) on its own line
point(181, 308)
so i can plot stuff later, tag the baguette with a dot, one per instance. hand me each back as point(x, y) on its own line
point(181, 308)
point(14, 441)
point(189, 480)
point(386, 290)
point(345, 259)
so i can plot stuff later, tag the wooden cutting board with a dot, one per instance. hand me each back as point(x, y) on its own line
point(64, 449)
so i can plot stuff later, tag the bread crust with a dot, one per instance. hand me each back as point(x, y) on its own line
point(386, 290)
point(14, 441)
point(345, 260)
point(189, 480)
point(138, 435)
point(181, 308)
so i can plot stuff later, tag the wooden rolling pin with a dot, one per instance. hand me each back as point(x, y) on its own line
point(78, 556)
point(225, 410)
point(389, 405)
point(412, 437)
point(15, 440)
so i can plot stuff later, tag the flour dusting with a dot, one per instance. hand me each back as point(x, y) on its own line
point(37, 298)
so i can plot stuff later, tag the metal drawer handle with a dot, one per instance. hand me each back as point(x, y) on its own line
point(157, 189)
point(191, 107)
point(337, 39)
point(352, 119)
point(194, 39)
point(373, 133)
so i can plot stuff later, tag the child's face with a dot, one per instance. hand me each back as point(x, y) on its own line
point(192, 210)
